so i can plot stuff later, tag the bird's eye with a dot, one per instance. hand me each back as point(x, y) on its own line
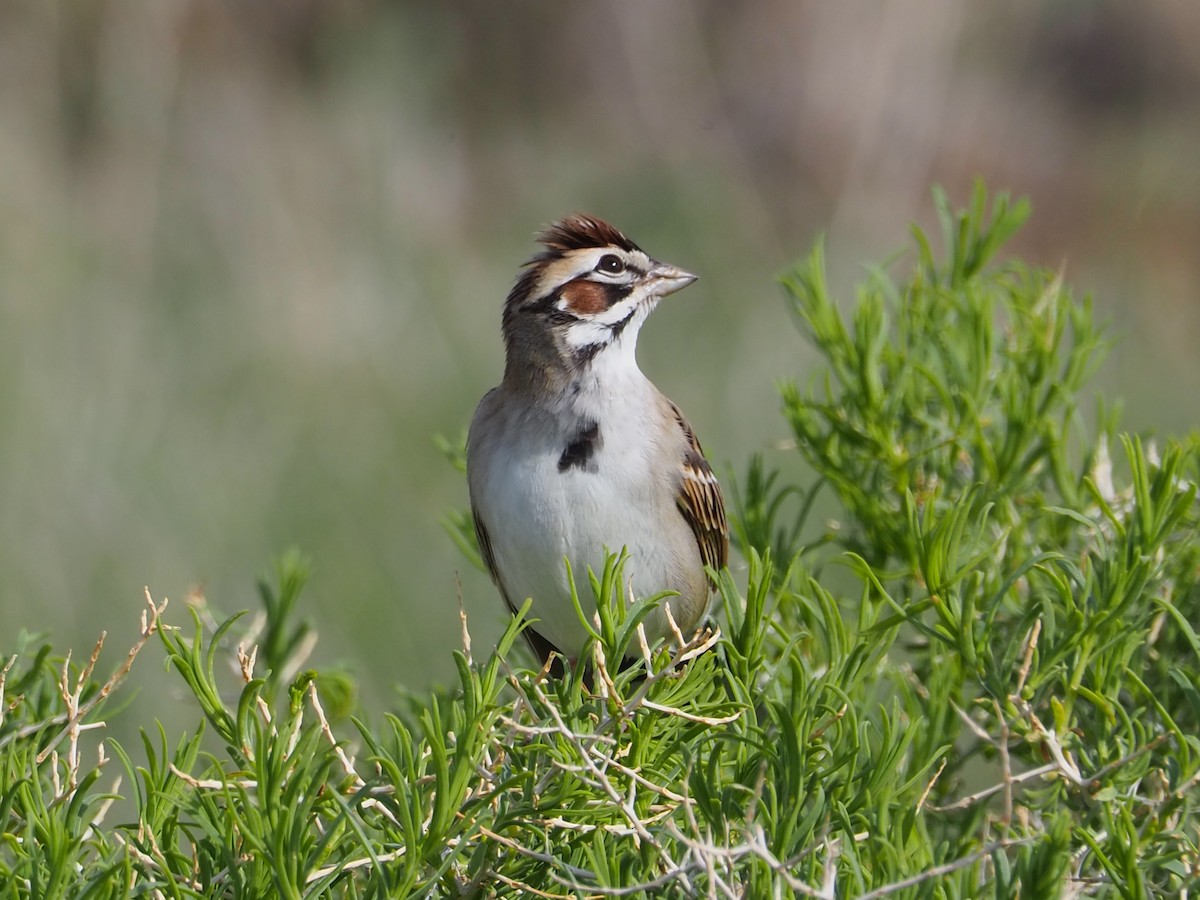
point(610, 264)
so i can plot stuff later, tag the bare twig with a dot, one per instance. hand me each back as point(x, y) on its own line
point(1005, 764)
point(102, 810)
point(346, 761)
point(756, 845)
point(246, 661)
point(462, 618)
point(995, 788)
point(28, 730)
point(527, 888)
point(1031, 643)
point(3, 679)
point(946, 868)
point(212, 784)
point(318, 874)
point(546, 858)
point(692, 717)
point(149, 626)
point(929, 787)
point(149, 861)
point(1095, 778)
point(625, 891)
point(1066, 767)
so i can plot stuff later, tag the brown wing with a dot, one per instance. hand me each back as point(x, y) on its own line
point(700, 500)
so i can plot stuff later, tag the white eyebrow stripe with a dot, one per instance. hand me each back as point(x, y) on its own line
point(576, 263)
point(558, 273)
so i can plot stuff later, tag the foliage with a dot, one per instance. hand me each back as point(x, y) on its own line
point(1006, 702)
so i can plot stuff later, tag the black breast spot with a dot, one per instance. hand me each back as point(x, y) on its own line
point(580, 451)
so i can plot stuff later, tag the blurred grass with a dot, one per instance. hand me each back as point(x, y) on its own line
point(251, 260)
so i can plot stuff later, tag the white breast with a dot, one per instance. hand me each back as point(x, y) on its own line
point(537, 514)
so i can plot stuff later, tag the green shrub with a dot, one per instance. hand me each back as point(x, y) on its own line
point(1005, 703)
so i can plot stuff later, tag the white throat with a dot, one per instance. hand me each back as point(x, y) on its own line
point(612, 374)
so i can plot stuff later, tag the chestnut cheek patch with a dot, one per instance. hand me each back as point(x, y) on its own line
point(586, 298)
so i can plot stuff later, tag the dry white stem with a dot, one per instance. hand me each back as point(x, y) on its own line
point(1128, 758)
point(707, 860)
point(462, 618)
point(3, 678)
point(148, 835)
point(1005, 764)
point(90, 667)
point(149, 861)
point(964, 802)
point(150, 619)
point(833, 850)
point(692, 717)
point(527, 888)
point(71, 697)
point(975, 727)
point(636, 776)
point(679, 639)
point(264, 710)
point(533, 854)
point(1065, 766)
point(701, 642)
point(541, 675)
point(550, 729)
point(246, 661)
point(644, 644)
point(837, 717)
point(318, 874)
point(346, 761)
point(1031, 643)
point(54, 781)
point(211, 784)
point(585, 828)
point(929, 787)
point(581, 773)
point(102, 809)
point(1102, 471)
point(642, 887)
point(595, 771)
point(756, 845)
point(945, 869)
point(604, 683)
point(21, 733)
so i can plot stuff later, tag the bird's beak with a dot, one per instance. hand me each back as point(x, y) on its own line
point(668, 279)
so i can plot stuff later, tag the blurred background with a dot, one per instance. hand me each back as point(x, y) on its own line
point(252, 256)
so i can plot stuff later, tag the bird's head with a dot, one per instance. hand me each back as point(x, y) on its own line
point(583, 298)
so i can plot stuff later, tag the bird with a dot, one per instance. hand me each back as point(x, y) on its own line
point(576, 454)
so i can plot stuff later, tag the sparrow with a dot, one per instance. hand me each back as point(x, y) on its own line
point(575, 454)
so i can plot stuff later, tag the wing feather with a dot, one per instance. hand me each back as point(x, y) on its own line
point(700, 500)
point(485, 546)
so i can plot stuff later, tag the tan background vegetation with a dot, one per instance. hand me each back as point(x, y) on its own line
point(252, 255)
